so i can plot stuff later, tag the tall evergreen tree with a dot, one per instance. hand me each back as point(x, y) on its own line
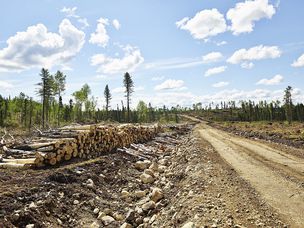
point(108, 97)
point(288, 104)
point(129, 86)
point(59, 87)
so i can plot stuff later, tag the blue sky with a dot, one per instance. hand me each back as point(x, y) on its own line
point(178, 52)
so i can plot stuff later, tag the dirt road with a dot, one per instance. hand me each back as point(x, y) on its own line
point(276, 175)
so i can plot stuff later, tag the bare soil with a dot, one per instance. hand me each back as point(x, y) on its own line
point(199, 185)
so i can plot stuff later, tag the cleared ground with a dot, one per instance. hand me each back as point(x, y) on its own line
point(276, 175)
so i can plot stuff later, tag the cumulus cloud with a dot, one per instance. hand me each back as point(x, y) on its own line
point(299, 62)
point(220, 84)
point(204, 24)
point(244, 15)
point(277, 79)
point(255, 53)
point(247, 65)
point(116, 24)
point(100, 36)
point(129, 62)
point(71, 12)
point(37, 47)
point(212, 57)
point(215, 70)
point(170, 84)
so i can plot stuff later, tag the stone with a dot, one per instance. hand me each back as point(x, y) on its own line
point(96, 211)
point(126, 225)
point(101, 214)
point(75, 202)
point(32, 205)
point(30, 226)
point(163, 161)
point(90, 183)
point(48, 213)
point(189, 225)
point(139, 194)
point(149, 172)
point(154, 167)
point(146, 178)
point(125, 194)
point(59, 221)
point(157, 194)
point(118, 216)
point(148, 206)
point(95, 225)
point(142, 165)
point(130, 217)
point(106, 220)
point(162, 168)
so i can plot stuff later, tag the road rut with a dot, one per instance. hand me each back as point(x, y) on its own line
point(276, 175)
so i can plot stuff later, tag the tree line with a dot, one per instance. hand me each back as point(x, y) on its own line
point(50, 111)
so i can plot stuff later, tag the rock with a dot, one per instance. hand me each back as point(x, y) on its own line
point(125, 194)
point(107, 220)
point(189, 225)
point(75, 202)
point(95, 225)
point(149, 172)
point(148, 206)
point(146, 178)
point(101, 214)
point(32, 205)
point(30, 226)
point(59, 221)
point(90, 183)
point(96, 211)
point(47, 213)
point(16, 216)
point(157, 194)
point(140, 194)
point(154, 167)
point(163, 161)
point(142, 165)
point(130, 217)
point(118, 216)
point(162, 168)
point(126, 225)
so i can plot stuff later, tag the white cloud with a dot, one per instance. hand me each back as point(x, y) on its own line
point(6, 85)
point(116, 24)
point(255, 53)
point(220, 84)
point(215, 70)
point(100, 36)
point(244, 15)
point(36, 47)
point(277, 79)
point(158, 78)
point(129, 62)
point(212, 57)
point(204, 24)
point(247, 65)
point(221, 43)
point(299, 62)
point(69, 11)
point(170, 84)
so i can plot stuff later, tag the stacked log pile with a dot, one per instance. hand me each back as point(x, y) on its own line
point(83, 141)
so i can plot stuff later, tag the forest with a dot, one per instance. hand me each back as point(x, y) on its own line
point(50, 111)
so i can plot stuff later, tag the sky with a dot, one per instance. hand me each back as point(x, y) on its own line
point(177, 52)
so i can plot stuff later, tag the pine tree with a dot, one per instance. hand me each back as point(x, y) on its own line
point(108, 97)
point(59, 87)
point(288, 104)
point(129, 86)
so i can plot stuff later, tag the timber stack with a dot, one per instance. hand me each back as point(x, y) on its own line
point(82, 141)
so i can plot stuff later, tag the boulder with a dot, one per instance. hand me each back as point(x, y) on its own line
point(146, 178)
point(142, 165)
point(148, 206)
point(106, 220)
point(157, 194)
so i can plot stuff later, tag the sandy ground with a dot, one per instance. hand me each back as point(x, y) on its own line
point(276, 175)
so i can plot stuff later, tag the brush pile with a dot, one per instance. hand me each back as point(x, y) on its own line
point(80, 141)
